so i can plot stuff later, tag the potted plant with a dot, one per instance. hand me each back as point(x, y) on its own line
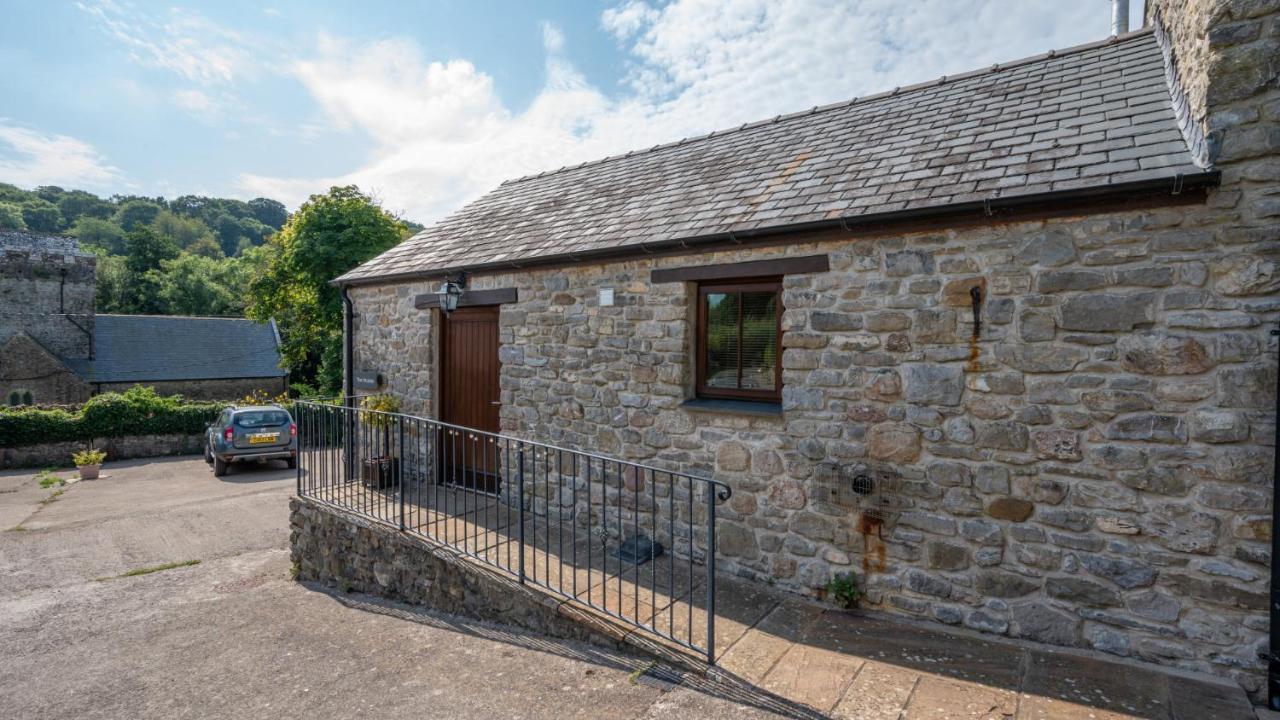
point(89, 462)
point(381, 470)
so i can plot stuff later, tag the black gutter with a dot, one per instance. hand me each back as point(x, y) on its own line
point(1171, 186)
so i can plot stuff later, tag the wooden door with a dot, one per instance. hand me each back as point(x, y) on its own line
point(469, 398)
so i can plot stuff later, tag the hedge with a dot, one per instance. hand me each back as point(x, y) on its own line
point(137, 411)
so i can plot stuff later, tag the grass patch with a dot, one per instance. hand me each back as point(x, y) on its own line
point(48, 479)
point(634, 677)
point(52, 496)
point(17, 528)
point(153, 569)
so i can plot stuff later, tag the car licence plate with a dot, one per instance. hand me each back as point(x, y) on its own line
point(263, 438)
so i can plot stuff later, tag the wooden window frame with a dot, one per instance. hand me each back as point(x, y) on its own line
point(701, 389)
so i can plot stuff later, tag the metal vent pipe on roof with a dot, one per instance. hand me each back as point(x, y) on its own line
point(1119, 17)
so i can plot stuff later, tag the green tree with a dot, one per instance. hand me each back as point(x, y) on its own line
point(11, 217)
point(327, 236)
point(145, 250)
point(194, 285)
point(113, 283)
point(12, 193)
point(269, 212)
point(183, 231)
point(206, 247)
point(41, 215)
point(135, 213)
point(99, 233)
point(78, 203)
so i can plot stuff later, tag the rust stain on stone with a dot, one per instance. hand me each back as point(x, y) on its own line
point(974, 351)
point(873, 556)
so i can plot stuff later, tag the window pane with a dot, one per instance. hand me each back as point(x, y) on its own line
point(759, 340)
point(722, 340)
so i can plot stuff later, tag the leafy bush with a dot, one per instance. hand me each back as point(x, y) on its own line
point(138, 411)
point(843, 589)
point(88, 457)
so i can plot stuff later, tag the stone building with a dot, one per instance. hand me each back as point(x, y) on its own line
point(998, 344)
point(54, 349)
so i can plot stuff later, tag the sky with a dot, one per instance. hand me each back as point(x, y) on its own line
point(427, 105)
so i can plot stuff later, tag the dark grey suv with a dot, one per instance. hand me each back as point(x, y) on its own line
point(255, 432)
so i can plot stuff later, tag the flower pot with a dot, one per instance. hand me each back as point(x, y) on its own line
point(379, 472)
point(89, 472)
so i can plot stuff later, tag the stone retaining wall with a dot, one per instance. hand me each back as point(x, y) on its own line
point(355, 554)
point(122, 448)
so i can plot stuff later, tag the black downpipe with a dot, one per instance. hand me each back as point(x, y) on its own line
point(348, 378)
point(1273, 661)
point(348, 355)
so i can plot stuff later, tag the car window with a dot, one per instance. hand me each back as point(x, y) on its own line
point(261, 418)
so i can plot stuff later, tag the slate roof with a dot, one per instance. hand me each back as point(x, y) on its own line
point(141, 348)
point(1094, 116)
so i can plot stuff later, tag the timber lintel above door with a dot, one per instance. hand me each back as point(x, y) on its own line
point(469, 298)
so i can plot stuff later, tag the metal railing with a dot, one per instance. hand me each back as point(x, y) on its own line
point(619, 537)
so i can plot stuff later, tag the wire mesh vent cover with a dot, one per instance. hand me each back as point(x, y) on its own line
point(874, 491)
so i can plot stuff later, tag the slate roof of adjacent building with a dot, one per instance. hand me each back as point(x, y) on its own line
point(142, 348)
point(1094, 116)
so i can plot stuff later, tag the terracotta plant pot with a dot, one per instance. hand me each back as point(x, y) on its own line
point(89, 472)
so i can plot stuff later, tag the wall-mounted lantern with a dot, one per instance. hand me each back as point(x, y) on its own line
point(450, 292)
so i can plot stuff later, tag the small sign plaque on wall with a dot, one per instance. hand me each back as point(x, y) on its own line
point(368, 379)
point(606, 297)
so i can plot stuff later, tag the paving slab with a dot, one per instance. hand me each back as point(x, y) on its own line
point(941, 698)
point(812, 675)
point(879, 692)
point(1071, 686)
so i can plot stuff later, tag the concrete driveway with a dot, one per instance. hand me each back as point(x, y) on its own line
point(234, 637)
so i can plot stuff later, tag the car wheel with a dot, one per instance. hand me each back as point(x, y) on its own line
point(219, 467)
point(208, 456)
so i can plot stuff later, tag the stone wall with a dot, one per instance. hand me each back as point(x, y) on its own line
point(1091, 467)
point(227, 389)
point(36, 297)
point(121, 448)
point(354, 554)
point(29, 368)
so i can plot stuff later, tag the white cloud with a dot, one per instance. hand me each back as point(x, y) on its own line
point(442, 136)
point(180, 41)
point(194, 100)
point(31, 158)
point(213, 60)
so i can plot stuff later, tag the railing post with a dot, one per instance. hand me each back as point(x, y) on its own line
point(520, 504)
point(298, 409)
point(711, 573)
point(399, 461)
